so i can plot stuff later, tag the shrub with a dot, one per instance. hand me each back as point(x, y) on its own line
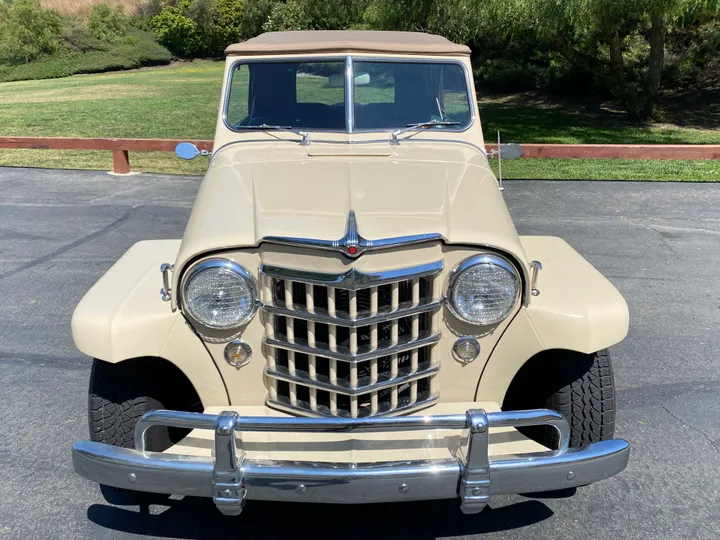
point(291, 15)
point(76, 38)
point(176, 31)
point(108, 23)
point(199, 27)
point(320, 15)
point(255, 13)
point(121, 55)
point(692, 57)
point(145, 51)
point(28, 31)
point(228, 16)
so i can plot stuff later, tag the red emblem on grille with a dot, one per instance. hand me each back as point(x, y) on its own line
point(352, 250)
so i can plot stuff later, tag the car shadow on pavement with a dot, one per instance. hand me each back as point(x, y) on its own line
point(199, 519)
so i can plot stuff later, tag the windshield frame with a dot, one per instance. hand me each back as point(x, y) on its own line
point(349, 60)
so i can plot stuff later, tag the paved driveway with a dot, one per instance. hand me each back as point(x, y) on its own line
point(659, 244)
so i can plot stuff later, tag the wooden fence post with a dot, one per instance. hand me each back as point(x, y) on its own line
point(121, 161)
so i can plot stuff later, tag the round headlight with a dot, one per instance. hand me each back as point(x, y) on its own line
point(483, 290)
point(219, 294)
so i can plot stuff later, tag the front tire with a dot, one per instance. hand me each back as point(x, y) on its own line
point(579, 386)
point(587, 403)
point(119, 395)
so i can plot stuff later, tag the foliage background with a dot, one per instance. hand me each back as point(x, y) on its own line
point(633, 52)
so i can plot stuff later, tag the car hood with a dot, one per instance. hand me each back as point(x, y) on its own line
point(256, 190)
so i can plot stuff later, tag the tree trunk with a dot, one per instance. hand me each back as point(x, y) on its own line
point(617, 81)
point(656, 62)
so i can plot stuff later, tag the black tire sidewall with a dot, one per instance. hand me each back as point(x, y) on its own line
point(116, 401)
point(587, 403)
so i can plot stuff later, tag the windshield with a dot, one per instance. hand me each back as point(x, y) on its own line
point(312, 95)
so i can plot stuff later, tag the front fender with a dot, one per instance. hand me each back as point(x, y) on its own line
point(123, 316)
point(577, 309)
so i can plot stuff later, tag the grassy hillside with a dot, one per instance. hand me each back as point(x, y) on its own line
point(181, 101)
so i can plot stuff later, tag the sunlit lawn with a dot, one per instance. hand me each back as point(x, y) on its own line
point(175, 102)
point(181, 101)
point(553, 125)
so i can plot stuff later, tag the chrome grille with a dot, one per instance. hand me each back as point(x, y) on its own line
point(351, 345)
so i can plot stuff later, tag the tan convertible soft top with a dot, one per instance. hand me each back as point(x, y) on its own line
point(342, 41)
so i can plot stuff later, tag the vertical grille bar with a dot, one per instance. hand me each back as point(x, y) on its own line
point(434, 329)
point(374, 407)
point(394, 305)
point(291, 358)
point(415, 335)
point(332, 344)
point(270, 332)
point(312, 359)
point(312, 364)
point(288, 294)
point(290, 332)
point(353, 313)
point(310, 297)
point(394, 296)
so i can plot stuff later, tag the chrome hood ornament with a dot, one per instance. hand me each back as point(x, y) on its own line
point(353, 244)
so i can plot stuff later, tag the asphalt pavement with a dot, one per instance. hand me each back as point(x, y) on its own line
point(659, 243)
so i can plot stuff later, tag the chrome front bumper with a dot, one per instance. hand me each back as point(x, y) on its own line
point(232, 478)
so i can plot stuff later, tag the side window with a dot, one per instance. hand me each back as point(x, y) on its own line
point(238, 100)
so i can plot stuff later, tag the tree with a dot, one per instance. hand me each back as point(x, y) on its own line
point(456, 19)
point(316, 15)
point(255, 14)
point(28, 31)
point(199, 27)
point(620, 42)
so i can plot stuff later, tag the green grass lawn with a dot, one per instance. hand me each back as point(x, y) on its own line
point(554, 125)
point(181, 101)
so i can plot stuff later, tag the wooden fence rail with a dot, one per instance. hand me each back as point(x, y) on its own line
point(121, 147)
point(118, 147)
point(620, 151)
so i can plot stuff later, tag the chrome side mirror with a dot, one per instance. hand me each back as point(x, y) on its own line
point(187, 150)
point(511, 151)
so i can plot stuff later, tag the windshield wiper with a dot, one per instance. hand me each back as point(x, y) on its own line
point(418, 127)
point(304, 134)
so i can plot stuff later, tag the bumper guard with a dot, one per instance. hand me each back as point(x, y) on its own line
point(231, 477)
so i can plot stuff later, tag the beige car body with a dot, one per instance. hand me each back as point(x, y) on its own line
point(258, 185)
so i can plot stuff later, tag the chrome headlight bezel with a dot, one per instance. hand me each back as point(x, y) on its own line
point(470, 262)
point(226, 265)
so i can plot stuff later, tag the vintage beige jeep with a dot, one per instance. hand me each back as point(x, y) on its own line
point(350, 316)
